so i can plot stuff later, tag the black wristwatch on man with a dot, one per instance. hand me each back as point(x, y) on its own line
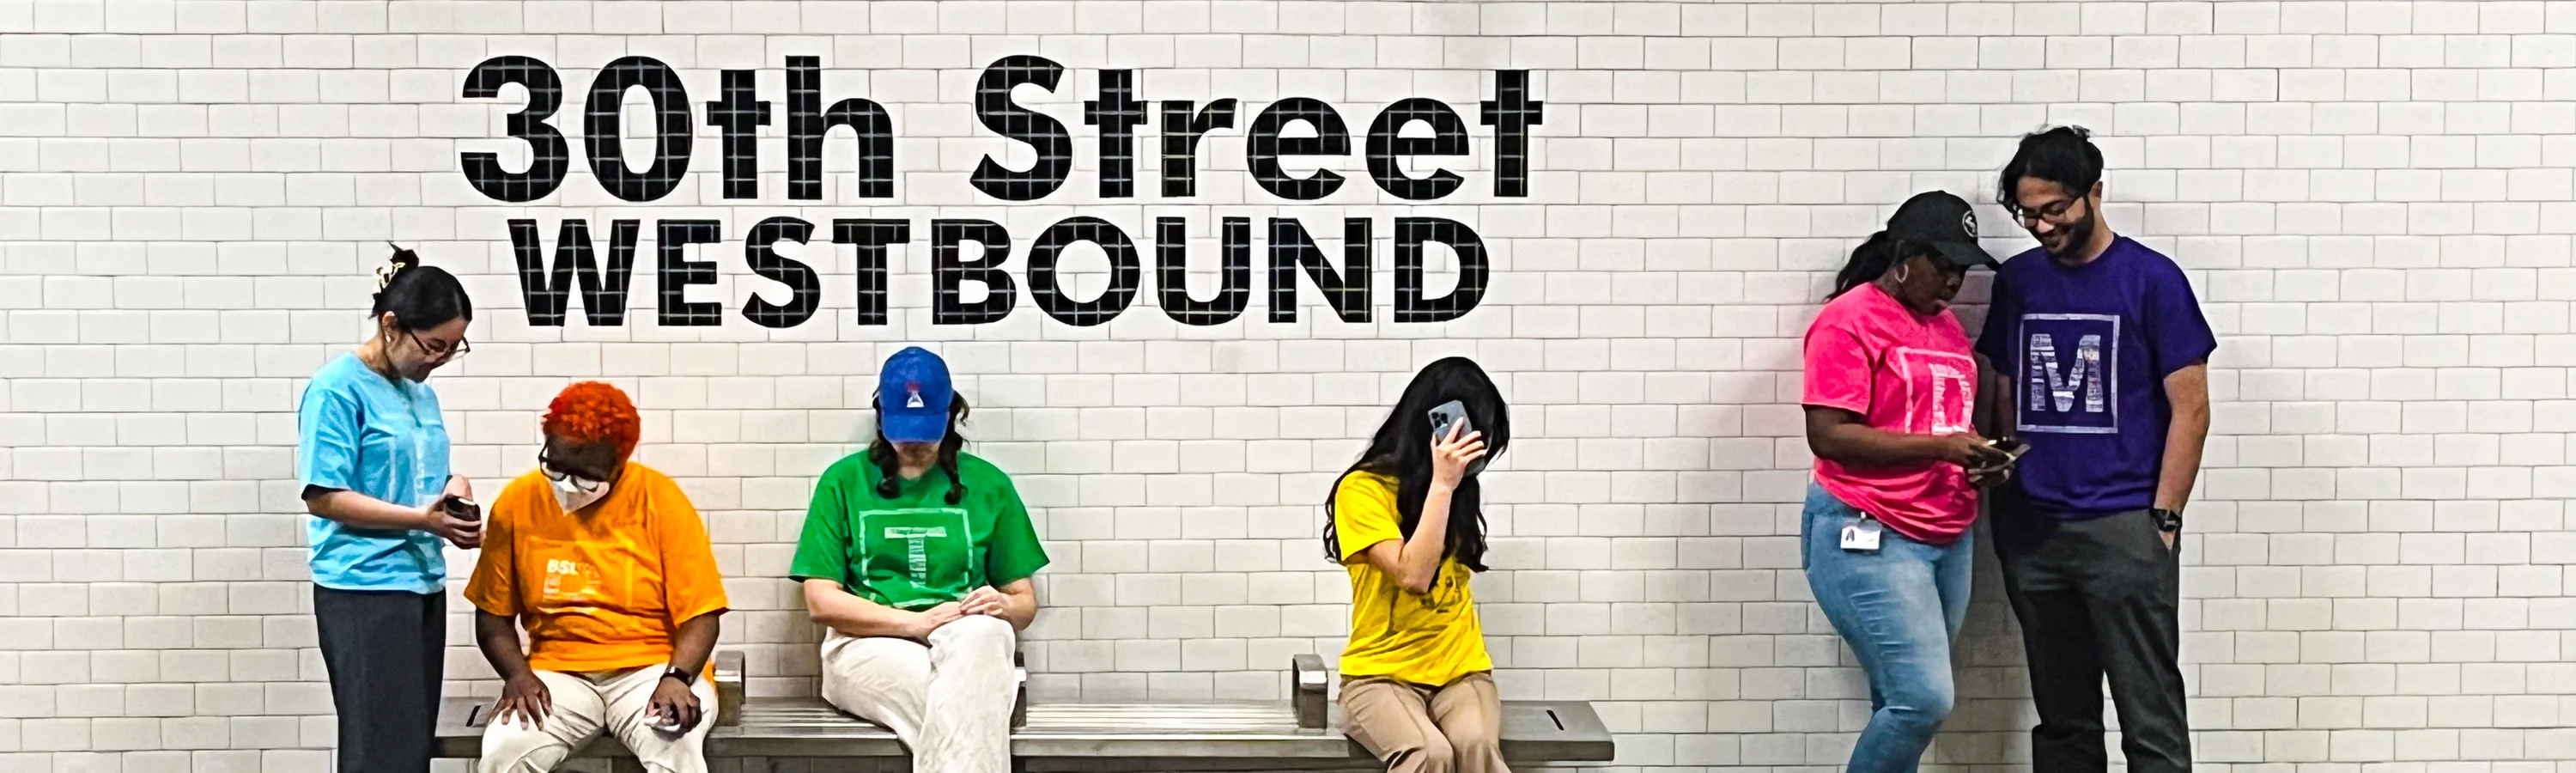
point(2169, 521)
point(687, 679)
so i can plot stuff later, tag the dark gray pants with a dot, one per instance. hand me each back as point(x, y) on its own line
point(2097, 597)
point(383, 651)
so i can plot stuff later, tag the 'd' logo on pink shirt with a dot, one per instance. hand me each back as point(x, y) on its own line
point(1940, 388)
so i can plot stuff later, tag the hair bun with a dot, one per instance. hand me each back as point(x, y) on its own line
point(402, 259)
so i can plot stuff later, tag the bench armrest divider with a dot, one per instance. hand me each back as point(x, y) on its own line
point(1309, 685)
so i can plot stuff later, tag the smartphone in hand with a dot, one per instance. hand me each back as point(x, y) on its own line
point(2012, 449)
point(462, 509)
point(1446, 414)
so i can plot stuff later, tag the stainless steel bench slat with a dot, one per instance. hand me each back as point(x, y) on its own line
point(1301, 733)
point(1534, 731)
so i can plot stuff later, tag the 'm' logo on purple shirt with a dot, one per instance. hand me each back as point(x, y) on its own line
point(2070, 373)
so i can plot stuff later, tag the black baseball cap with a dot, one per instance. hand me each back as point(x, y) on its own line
point(1944, 221)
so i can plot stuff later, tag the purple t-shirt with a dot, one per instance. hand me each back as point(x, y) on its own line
point(2088, 349)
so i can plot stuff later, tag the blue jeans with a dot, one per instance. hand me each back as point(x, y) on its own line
point(1898, 607)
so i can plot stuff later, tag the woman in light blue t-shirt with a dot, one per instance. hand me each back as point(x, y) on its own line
point(372, 456)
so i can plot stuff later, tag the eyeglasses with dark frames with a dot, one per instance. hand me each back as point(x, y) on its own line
point(439, 348)
point(2055, 214)
point(546, 465)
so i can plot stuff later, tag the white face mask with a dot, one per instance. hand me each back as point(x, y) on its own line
point(575, 493)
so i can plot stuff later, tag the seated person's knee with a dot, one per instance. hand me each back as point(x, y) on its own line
point(1435, 755)
point(979, 628)
point(979, 637)
point(1470, 743)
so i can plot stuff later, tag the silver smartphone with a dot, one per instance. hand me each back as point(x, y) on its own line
point(1446, 414)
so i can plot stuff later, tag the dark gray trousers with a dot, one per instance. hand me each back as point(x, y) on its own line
point(2097, 597)
point(383, 649)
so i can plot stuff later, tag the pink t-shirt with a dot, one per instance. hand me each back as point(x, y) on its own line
point(1904, 373)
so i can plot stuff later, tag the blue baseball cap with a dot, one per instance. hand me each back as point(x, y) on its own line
point(913, 395)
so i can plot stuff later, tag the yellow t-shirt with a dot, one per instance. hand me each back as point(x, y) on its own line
point(601, 591)
point(1431, 639)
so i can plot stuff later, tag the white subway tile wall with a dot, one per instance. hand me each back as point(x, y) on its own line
point(2372, 197)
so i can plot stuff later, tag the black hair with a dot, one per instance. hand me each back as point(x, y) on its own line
point(2064, 155)
point(1401, 449)
point(881, 453)
point(420, 297)
point(1874, 258)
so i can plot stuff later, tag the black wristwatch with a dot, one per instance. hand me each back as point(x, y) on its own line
point(2166, 520)
point(687, 679)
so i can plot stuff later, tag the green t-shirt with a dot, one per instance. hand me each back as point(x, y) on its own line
point(916, 551)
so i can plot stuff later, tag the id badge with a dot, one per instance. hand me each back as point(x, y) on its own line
point(1860, 534)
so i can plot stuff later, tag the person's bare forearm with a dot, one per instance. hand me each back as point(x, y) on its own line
point(840, 610)
point(498, 637)
point(694, 641)
point(2188, 392)
point(354, 509)
point(1859, 444)
point(1430, 541)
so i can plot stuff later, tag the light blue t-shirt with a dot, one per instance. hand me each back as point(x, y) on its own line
point(365, 433)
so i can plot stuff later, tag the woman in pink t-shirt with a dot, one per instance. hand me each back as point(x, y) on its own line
point(1891, 390)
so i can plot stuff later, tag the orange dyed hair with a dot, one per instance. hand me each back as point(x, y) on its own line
point(593, 412)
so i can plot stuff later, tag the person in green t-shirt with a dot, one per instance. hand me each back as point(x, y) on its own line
point(917, 559)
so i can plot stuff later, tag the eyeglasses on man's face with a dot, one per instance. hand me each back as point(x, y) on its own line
point(2061, 212)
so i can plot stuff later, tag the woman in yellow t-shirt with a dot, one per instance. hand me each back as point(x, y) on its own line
point(1417, 686)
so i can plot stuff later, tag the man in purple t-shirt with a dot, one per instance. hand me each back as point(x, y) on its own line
point(2104, 355)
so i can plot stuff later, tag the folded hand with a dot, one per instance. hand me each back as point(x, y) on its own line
point(985, 601)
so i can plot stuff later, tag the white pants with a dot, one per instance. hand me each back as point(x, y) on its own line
point(584, 705)
point(949, 702)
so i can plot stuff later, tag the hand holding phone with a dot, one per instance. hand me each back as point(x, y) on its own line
point(2010, 451)
point(1446, 414)
point(1457, 452)
point(457, 519)
point(462, 509)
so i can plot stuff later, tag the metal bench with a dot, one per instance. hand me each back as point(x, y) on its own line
point(1303, 734)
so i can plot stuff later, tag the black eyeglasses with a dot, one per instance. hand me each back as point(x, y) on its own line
point(2055, 214)
point(546, 465)
point(440, 349)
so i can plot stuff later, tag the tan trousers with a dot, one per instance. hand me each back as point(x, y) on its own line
point(585, 705)
point(1422, 729)
point(949, 702)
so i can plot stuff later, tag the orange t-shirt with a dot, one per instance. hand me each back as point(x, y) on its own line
point(601, 591)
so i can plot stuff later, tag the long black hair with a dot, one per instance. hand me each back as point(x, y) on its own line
point(889, 475)
point(420, 297)
point(1874, 258)
point(1401, 449)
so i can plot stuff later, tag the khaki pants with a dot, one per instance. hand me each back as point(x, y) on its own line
point(586, 704)
point(949, 702)
point(1421, 729)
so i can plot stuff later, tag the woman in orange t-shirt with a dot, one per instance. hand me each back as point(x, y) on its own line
point(606, 564)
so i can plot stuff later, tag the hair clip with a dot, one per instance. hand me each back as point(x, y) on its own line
point(401, 259)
